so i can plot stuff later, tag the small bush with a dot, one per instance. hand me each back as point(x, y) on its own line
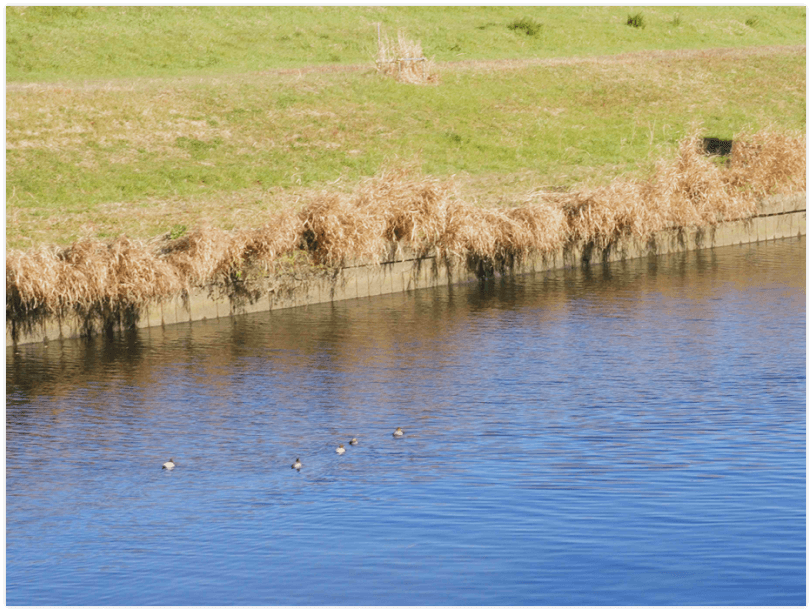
point(751, 22)
point(527, 25)
point(676, 21)
point(636, 21)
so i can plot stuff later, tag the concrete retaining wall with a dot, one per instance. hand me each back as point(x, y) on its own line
point(778, 217)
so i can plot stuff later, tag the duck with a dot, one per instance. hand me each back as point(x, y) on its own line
point(354, 442)
point(398, 432)
point(169, 464)
point(340, 450)
point(297, 465)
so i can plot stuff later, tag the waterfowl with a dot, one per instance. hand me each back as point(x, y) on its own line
point(169, 464)
point(340, 450)
point(398, 432)
point(297, 465)
point(354, 441)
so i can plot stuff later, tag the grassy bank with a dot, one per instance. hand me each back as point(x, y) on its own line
point(145, 157)
point(177, 116)
point(110, 281)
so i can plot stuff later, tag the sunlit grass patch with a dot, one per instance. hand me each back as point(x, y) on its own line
point(101, 159)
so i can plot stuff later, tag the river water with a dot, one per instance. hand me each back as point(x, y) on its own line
point(630, 434)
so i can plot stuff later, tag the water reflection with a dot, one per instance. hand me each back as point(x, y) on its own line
point(625, 434)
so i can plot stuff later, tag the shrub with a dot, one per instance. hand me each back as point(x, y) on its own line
point(527, 25)
point(636, 21)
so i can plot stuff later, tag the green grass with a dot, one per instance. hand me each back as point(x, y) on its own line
point(636, 21)
point(54, 43)
point(210, 139)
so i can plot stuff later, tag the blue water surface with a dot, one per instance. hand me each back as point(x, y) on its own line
point(629, 434)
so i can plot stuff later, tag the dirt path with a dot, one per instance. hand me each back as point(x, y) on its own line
point(622, 58)
point(636, 56)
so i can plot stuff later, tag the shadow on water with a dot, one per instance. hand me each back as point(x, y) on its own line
point(341, 331)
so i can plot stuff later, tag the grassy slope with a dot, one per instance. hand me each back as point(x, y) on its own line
point(52, 43)
point(142, 156)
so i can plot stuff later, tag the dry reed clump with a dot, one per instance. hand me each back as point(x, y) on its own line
point(768, 162)
point(396, 206)
point(423, 213)
point(601, 215)
point(128, 273)
point(203, 254)
point(281, 235)
point(32, 283)
point(109, 282)
point(403, 60)
point(501, 235)
point(95, 279)
point(690, 191)
point(414, 209)
point(335, 229)
point(693, 190)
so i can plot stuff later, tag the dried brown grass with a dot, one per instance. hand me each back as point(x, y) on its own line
point(404, 61)
point(101, 282)
point(204, 254)
point(503, 234)
point(692, 190)
point(402, 207)
point(111, 281)
point(396, 206)
point(769, 162)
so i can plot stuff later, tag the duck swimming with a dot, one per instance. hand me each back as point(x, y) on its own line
point(398, 432)
point(297, 465)
point(354, 442)
point(340, 450)
point(169, 464)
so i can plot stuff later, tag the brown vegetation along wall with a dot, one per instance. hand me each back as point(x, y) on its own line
point(401, 231)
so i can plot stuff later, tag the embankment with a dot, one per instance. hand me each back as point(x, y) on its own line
point(401, 231)
point(405, 270)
